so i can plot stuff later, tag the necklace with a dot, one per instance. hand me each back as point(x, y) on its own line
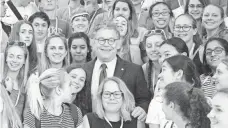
point(121, 126)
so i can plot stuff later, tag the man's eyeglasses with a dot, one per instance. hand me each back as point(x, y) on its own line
point(185, 28)
point(157, 14)
point(198, 6)
point(116, 94)
point(20, 44)
point(103, 41)
point(157, 31)
point(217, 50)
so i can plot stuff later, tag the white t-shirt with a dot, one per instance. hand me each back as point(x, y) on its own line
point(155, 114)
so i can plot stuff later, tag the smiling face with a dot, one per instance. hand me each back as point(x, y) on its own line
point(152, 47)
point(56, 51)
point(106, 52)
point(41, 28)
point(79, 50)
point(26, 34)
point(15, 58)
point(212, 18)
point(213, 59)
point(186, 22)
point(219, 112)
point(167, 51)
point(161, 21)
point(111, 104)
point(80, 24)
point(78, 77)
point(122, 9)
point(121, 24)
point(221, 76)
point(195, 8)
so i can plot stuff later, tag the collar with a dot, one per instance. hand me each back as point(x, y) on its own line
point(109, 64)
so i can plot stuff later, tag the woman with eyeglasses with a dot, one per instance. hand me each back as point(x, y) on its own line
point(23, 31)
point(219, 112)
point(162, 15)
point(177, 68)
point(114, 105)
point(172, 47)
point(215, 50)
point(15, 72)
point(186, 29)
point(49, 102)
point(185, 105)
point(221, 74)
point(213, 22)
point(195, 9)
point(153, 39)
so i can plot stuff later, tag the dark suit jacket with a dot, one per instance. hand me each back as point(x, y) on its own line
point(130, 73)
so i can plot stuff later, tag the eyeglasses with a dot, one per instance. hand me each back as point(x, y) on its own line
point(157, 14)
point(217, 50)
point(185, 28)
point(195, 6)
point(103, 41)
point(116, 94)
point(14, 43)
point(157, 31)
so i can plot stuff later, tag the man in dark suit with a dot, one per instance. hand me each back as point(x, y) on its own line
point(105, 47)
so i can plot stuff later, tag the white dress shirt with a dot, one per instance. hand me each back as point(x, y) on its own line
point(96, 74)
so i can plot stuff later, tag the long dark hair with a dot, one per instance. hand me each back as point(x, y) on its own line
point(80, 35)
point(206, 68)
point(184, 63)
point(191, 101)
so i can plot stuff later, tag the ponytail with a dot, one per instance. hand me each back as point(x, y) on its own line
point(198, 110)
point(150, 71)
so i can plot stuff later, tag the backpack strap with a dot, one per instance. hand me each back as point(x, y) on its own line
point(14, 9)
point(37, 123)
point(74, 113)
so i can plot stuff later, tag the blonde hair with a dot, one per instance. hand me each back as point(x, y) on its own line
point(128, 99)
point(39, 91)
point(9, 113)
point(44, 62)
point(22, 75)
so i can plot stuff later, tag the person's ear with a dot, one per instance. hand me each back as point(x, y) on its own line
point(172, 105)
point(195, 30)
point(58, 90)
point(179, 75)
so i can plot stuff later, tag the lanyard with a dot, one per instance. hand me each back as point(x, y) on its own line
point(121, 126)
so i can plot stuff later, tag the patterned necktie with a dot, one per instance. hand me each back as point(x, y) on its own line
point(103, 73)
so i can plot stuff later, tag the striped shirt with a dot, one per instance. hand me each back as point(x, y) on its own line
point(47, 120)
point(208, 85)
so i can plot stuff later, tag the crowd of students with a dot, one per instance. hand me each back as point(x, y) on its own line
point(114, 64)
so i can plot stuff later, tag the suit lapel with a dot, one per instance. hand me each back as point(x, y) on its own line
point(120, 68)
point(89, 70)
